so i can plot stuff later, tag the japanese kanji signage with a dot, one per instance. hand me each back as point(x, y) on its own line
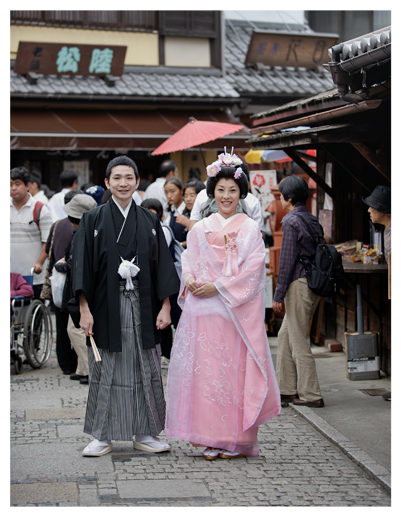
point(289, 49)
point(69, 58)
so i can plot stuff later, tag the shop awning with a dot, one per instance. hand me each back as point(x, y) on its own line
point(109, 129)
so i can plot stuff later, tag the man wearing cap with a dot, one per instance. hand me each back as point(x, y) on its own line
point(95, 192)
point(379, 203)
point(74, 210)
point(122, 277)
point(61, 233)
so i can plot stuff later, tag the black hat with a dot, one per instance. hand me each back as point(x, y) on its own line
point(380, 199)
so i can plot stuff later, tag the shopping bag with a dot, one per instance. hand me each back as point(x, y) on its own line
point(57, 280)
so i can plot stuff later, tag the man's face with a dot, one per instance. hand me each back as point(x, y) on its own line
point(33, 189)
point(122, 184)
point(19, 190)
point(286, 204)
point(375, 215)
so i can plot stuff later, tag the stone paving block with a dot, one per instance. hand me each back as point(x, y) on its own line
point(43, 492)
point(53, 459)
point(54, 414)
point(162, 489)
point(297, 464)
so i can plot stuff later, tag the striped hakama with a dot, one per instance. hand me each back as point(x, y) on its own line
point(125, 388)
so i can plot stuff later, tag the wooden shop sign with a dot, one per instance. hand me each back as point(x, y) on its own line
point(70, 59)
point(289, 49)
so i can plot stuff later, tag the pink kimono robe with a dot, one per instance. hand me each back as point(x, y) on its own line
point(221, 383)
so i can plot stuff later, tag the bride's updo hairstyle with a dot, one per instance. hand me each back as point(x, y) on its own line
point(229, 167)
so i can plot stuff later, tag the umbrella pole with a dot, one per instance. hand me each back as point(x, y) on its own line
point(203, 158)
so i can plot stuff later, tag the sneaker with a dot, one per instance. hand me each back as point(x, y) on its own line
point(98, 448)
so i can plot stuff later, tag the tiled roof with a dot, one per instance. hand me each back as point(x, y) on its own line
point(129, 84)
point(270, 80)
point(239, 81)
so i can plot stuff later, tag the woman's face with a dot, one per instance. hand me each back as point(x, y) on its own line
point(173, 194)
point(190, 197)
point(227, 194)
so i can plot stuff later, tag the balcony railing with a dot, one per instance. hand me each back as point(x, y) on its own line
point(113, 20)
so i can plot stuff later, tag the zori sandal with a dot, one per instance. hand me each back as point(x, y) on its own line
point(211, 454)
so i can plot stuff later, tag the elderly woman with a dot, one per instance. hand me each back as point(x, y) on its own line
point(221, 384)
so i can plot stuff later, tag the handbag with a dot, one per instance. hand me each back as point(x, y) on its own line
point(57, 280)
point(46, 292)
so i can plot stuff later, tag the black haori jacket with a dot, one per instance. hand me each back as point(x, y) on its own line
point(95, 262)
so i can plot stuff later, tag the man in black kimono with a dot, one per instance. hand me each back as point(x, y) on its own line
point(122, 277)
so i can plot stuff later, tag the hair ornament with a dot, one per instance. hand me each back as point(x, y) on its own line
point(238, 173)
point(225, 159)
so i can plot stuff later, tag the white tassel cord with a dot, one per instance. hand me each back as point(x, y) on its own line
point(228, 263)
point(127, 271)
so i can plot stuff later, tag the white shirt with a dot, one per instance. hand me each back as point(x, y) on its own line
point(137, 198)
point(156, 190)
point(26, 239)
point(252, 203)
point(41, 197)
point(175, 212)
point(55, 205)
point(167, 235)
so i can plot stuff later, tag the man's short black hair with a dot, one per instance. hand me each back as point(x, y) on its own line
point(153, 203)
point(36, 179)
point(296, 188)
point(68, 177)
point(166, 167)
point(227, 172)
point(77, 221)
point(20, 173)
point(121, 160)
point(71, 193)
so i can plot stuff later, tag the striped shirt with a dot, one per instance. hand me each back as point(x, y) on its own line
point(296, 242)
point(26, 239)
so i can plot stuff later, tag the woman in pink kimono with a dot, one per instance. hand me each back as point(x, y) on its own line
point(221, 384)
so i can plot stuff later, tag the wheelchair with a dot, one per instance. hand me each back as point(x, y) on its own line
point(31, 331)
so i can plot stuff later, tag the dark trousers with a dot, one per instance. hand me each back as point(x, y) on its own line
point(66, 356)
point(37, 289)
point(166, 341)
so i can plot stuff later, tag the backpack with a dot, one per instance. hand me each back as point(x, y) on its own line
point(176, 249)
point(36, 210)
point(326, 274)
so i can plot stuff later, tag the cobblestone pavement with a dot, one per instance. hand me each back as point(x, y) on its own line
point(297, 466)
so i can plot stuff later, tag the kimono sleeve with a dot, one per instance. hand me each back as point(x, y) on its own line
point(167, 282)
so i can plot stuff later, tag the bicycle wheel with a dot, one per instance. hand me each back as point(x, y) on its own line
point(38, 334)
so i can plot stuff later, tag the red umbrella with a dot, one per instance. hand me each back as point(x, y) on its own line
point(194, 134)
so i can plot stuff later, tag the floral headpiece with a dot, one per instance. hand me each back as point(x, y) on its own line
point(225, 159)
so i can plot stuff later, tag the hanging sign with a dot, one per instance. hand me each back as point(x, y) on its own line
point(70, 59)
point(296, 49)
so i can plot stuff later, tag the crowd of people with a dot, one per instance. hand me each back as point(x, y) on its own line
point(172, 273)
